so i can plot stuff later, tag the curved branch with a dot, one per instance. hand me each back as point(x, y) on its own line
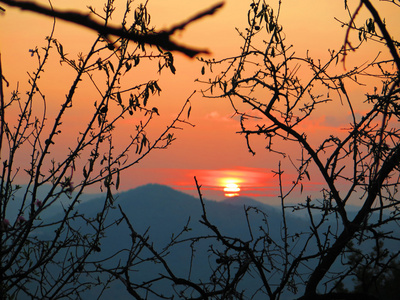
point(385, 33)
point(348, 233)
point(161, 39)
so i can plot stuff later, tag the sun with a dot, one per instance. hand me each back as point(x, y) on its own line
point(231, 188)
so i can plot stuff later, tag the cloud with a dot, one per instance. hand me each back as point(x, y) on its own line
point(216, 116)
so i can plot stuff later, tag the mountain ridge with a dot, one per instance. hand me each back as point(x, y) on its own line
point(160, 213)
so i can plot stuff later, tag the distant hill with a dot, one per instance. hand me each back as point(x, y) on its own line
point(161, 212)
point(240, 200)
point(159, 207)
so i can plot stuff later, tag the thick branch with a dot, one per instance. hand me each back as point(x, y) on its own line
point(348, 233)
point(161, 39)
point(385, 33)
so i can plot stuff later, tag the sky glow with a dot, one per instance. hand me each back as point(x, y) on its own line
point(212, 150)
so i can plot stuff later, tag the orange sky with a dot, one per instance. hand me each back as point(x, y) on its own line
point(212, 150)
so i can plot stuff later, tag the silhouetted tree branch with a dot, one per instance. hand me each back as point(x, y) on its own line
point(161, 39)
point(385, 34)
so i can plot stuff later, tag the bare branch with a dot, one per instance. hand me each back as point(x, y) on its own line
point(161, 39)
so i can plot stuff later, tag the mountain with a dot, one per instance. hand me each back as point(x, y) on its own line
point(240, 200)
point(160, 213)
point(164, 211)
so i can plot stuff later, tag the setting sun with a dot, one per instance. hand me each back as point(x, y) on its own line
point(231, 188)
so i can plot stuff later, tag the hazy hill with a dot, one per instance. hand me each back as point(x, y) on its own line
point(164, 211)
point(161, 211)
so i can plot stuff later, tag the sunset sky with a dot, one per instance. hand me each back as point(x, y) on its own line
point(212, 150)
